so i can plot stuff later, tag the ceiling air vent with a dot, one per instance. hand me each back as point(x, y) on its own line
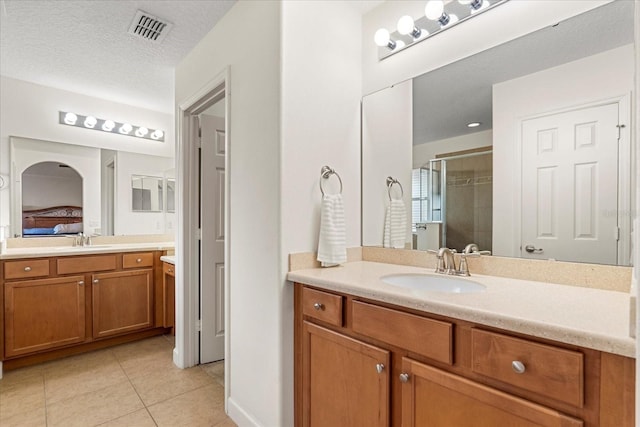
point(149, 27)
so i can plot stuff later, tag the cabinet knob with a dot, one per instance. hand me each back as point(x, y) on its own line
point(81, 283)
point(96, 281)
point(518, 367)
point(139, 260)
point(170, 270)
point(404, 377)
point(379, 368)
point(27, 269)
point(318, 306)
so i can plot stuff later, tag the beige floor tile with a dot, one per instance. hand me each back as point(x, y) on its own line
point(79, 363)
point(140, 349)
point(21, 397)
point(140, 418)
point(201, 407)
point(169, 383)
point(95, 407)
point(147, 365)
point(19, 375)
point(226, 423)
point(215, 370)
point(32, 418)
point(66, 384)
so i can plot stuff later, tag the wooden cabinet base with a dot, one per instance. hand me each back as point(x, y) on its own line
point(20, 362)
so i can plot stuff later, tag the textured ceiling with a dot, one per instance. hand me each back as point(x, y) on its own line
point(448, 98)
point(83, 46)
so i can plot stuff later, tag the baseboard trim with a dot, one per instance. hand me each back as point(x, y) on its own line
point(239, 415)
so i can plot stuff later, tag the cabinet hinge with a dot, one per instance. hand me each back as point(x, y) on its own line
point(620, 127)
point(198, 325)
point(617, 234)
point(199, 234)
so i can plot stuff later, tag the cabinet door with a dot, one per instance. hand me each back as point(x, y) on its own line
point(43, 314)
point(122, 302)
point(435, 398)
point(346, 382)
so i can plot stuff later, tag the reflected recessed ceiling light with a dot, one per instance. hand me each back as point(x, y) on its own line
point(70, 119)
point(109, 126)
point(473, 124)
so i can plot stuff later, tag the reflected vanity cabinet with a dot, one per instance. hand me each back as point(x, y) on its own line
point(361, 362)
point(55, 306)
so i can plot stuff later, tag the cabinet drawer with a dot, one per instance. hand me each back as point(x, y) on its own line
point(168, 268)
point(26, 269)
point(544, 369)
point(427, 337)
point(86, 264)
point(137, 260)
point(322, 306)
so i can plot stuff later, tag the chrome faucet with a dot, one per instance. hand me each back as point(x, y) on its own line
point(446, 261)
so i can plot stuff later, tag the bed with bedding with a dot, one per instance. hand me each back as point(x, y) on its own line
point(55, 220)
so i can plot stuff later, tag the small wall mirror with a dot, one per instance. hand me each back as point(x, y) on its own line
point(171, 195)
point(146, 193)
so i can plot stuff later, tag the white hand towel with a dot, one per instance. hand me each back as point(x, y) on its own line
point(395, 225)
point(332, 244)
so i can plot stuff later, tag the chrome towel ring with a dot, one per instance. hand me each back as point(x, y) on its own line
point(390, 182)
point(325, 173)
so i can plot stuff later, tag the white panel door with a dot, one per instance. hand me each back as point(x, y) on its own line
point(212, 243)
point(570, 186)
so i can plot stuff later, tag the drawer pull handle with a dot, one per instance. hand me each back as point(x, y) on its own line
point(81, 283)
point(518, 367)
point(96, 281)
point(139, 260)
point(27, 269)
point(404, 378)
point(379, 368)
point(318, 306)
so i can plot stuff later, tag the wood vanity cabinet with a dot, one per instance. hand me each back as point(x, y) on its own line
point(360, 362)
point(63, 305)
point(168, 295)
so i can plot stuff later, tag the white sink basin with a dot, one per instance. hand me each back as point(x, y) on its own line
point(431, 282)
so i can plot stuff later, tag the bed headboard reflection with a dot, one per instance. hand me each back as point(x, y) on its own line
point(50, 217)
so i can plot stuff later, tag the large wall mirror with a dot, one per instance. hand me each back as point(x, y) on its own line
point(88, 189)
point(523, 149)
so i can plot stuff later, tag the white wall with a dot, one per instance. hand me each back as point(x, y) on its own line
point(31, 111)
point(255, 268)
point(321, 91)
point(506, 22)
point(44, 191)
point(387, 138)
point(596, 78)
point(85, 160)
point(127, 222)
point(422, 153)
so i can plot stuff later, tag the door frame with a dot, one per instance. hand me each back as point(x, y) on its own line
point(186, 351)
point(625, 169)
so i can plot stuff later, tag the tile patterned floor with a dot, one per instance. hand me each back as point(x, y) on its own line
point(133, 384)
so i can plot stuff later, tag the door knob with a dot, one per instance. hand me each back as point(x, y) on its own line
point(533, 250)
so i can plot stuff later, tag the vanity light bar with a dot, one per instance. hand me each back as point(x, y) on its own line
point(109, 126)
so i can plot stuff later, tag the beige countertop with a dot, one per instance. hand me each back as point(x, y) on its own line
point(171, 259)
point(49, 251)
point(592, 318)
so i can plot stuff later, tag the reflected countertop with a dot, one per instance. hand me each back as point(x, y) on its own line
point(591, 318)
point(171, 259)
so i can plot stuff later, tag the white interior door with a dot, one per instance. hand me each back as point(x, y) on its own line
point(212, 192)
point(570, 186)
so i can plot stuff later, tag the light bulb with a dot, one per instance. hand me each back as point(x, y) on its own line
point(108, 125)
point(157, 134)
point(70, 119)
point(125, 128)
point(465, 1)
point(434, 9)
point(90, 122)
point(141, 132)
point(382, 37)
point(405, 25)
